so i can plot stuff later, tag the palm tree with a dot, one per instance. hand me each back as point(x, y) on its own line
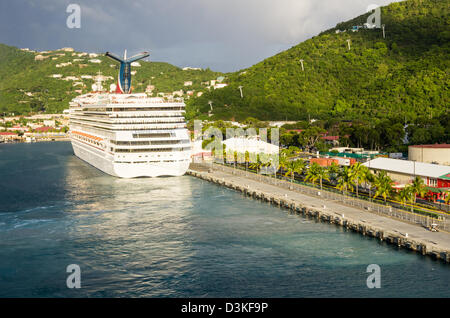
point(290, 169)
point(383, 183)
point(246, 159)
point(345, 180)
point(368, 178)
point(418, 187)
point(317, 172)
point(283, 161)
point(334, 169)
point(300, 166)
point(405, 195)
point(255, 164)
point(358, 174)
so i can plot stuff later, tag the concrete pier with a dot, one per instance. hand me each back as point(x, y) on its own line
point(392, 231)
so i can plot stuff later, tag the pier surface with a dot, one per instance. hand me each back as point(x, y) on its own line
point(394, 231)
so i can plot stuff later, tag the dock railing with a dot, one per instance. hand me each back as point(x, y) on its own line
point(442, 221)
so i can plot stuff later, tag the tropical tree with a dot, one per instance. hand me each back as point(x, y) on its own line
point(333, 170)
point(289, 170)
point(300, 166)
point(368, 178)
point(294, 166)
point(358, 172)
point(246, 159)
point(405, 195)
point(283, 160)
point(345, 180)
point(383, 184)
point(316, 172)
point(418, 187)
point(256, 164)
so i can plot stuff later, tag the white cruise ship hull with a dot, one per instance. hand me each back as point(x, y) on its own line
point(105, 162)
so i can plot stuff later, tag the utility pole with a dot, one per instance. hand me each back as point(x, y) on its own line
point(240, 89)
point(348, 42)
point(301, 61)
point(384, 35)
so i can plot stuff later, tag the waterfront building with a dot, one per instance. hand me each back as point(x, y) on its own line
point(403, 172)
point(324, 162)
point(252, 145)
point(6, 136)
point(437, 153)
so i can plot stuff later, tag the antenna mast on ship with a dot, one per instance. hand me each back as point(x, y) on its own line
point(97, 86)
point(124, 80)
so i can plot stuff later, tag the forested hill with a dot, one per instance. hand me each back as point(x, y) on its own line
point(27, 85)
point(405, 75)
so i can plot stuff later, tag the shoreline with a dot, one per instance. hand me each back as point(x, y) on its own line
point(391, 230)
point(34, 142)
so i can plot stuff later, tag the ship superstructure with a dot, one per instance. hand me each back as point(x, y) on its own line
point(130, 135)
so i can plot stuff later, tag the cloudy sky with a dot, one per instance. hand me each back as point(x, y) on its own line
point(225, 35)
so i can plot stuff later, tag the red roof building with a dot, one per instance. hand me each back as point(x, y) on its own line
point(43, 129)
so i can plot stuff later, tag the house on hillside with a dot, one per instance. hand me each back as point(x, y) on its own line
point(40, 57)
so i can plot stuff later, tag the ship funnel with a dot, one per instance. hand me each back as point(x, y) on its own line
point(124, 80)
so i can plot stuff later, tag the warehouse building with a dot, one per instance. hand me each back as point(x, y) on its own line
point(402, 172)
point(437, 153)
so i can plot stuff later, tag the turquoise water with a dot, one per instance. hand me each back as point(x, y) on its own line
point(177, 237)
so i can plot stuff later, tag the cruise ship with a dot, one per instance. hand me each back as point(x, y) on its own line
point(127, 134)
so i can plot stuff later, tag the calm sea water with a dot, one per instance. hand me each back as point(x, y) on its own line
point(177, 237)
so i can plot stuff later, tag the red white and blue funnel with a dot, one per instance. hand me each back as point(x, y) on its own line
point(124, 80)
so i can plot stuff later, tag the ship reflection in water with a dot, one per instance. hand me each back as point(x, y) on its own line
point(137, 227)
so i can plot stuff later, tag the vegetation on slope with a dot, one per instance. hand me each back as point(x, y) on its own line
point(404, 75)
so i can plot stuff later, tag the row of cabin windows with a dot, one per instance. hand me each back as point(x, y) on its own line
point(153, 135)
point(135, 121)
point(128, 129)
point(151, 150)
point(153, 142)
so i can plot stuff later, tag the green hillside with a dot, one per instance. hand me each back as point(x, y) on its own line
point(22, 76)
point(404, 75)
